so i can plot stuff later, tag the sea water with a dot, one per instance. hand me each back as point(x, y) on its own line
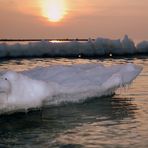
point(117, 121)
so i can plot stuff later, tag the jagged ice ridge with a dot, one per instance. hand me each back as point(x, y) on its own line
point(90, 48)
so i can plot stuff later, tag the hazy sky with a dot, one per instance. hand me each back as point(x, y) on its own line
point(74, 18)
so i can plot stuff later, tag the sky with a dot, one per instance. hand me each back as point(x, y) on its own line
point(74, 19)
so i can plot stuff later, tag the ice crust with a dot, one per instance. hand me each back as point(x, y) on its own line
point(54, 85)
point(90, 48)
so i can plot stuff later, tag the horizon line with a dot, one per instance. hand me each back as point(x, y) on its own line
point(48, 39)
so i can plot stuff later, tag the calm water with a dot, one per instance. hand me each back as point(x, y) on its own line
point(118, 121)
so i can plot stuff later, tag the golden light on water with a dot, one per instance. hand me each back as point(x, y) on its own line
point(54, 10)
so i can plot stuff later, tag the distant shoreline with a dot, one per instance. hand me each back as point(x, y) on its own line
point(15, 40)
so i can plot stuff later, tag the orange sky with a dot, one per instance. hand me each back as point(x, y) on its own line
point(77, 19)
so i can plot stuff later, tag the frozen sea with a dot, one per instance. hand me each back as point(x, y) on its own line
point(117, 121)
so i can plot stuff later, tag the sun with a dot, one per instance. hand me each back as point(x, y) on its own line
point(54, 10)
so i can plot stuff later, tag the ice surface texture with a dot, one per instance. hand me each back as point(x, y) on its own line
point(57, 84)
point(91, 48)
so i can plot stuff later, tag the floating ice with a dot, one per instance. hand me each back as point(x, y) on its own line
point(90, 48)
point(142, 47)
point(56, 84)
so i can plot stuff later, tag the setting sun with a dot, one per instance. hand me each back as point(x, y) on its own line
point(54, 10)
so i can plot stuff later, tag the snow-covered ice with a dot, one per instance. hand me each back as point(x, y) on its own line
point(90, 48)
point(57, 84)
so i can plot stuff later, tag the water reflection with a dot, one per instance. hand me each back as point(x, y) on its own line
point(69, 123)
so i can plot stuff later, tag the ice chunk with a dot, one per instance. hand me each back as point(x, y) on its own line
point(90, 48)
point(21, 91)
point(57, 84)
point(142, 47)
point(128, 45)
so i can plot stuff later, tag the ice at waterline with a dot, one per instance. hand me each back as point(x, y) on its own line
point(57, 84)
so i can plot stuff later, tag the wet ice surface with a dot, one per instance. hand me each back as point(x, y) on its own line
point(59, 84)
